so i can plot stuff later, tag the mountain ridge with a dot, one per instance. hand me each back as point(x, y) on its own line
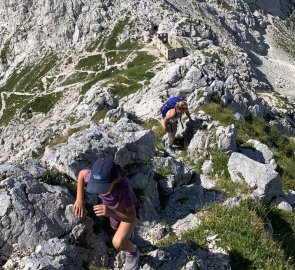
point(80, 80)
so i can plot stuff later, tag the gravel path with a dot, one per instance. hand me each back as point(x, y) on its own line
point(279, 68)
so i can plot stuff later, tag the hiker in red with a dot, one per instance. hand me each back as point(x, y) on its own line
point(119, 203)
point(170, 121)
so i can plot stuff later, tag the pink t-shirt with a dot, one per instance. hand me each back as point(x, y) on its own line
point(119, 199)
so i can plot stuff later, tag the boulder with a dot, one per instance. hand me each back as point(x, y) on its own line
point(126, 142)
point(261, 153)
point(262, 178)
point(226, 138)
point(36, 234)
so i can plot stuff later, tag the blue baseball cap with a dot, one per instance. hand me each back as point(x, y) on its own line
point(104, 171)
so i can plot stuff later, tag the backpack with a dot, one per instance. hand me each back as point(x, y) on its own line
point(169, 104)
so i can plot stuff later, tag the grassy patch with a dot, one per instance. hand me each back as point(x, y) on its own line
point(137, 70)
point(13, 103)
point(243, 235)
point(58, 139)
point(54, 177)
point(290, 21)
point(255, 128)
point(117, 57)
point(282, 146)
point(28, 78)
point(157, 128)
point(284, 37)
point(220, 113)
point(283, 223)
point(94, 44)
point(232, 189)
point(168, 240)
point(220, 161)
point(215, 56)
point(92, 62)
point(118, 29)
point(122, 90)
point(44, 103)
point(75, 78)
point(226, 6)
point(99, 115)
point(163, 172)
point(130, 44)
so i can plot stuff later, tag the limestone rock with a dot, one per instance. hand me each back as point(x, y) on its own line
point(262, 178)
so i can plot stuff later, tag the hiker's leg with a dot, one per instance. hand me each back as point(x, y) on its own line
point(171, 134)
point(121, 239)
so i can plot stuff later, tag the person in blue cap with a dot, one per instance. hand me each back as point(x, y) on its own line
point(119, 203)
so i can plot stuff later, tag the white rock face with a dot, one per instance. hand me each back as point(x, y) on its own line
point(262, 178)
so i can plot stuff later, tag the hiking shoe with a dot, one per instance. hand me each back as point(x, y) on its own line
point(171, 150)
point(131, 260)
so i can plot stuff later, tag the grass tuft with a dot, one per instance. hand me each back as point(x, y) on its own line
point(243, 235)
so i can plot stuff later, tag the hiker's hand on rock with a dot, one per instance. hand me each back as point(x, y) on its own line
point(101, 210)
point(78, 208)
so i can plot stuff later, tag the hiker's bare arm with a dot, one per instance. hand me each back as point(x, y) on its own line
point(128, 216)
point(78, 206)
point(170, 115)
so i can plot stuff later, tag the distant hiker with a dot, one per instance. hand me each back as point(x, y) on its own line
point(172, 110)
point(119, 203)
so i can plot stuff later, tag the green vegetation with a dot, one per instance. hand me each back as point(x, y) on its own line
point(44, 103)
point(93, 80)
point(5, 51)
point(118, 29)
point(215, 56)
point(290, 21)
point(92, 62)
point(168, 240)
point(130, 44)
point(140, 195)
point(156, 126)
point(220, 161)
point(127, 79)
point(58, 139)
point(163, 172)
point(13, 103)
point(28, 78)
point(284, 37)
point(117, 57)
point(243, 234)
point(23, 102)
point(99, 115)
point(283, 224)
point(75, 78)
point(94, 44)
point(220, 113)
point(138, 69)
point(54, 177)
point(255, 128)
point(121, 90)
point(69, 60)
point(226, 6)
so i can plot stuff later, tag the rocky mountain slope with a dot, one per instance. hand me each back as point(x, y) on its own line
point(80, 80)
